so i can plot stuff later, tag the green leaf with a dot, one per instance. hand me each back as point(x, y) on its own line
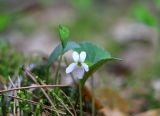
point(64, 35)
point(57, 51)
point(95, 58)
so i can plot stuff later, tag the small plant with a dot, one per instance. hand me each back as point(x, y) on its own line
point(87, 58)
point(37, 93)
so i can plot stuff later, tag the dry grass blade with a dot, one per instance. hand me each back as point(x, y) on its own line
point(35, 86)
point(69, 102)
point(46, 95)
point(15, 93)
point(60, 100)
point(35, 103)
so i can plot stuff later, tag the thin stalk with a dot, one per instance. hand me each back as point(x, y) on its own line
point(17, 103)
point(80, 99)
point(93, 96)
point(15, 93)
point(60, 100)
point(75, 105)
point(58, 68)
point(35, 86)
point(74, 111)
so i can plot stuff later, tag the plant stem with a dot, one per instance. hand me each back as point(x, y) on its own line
point(58, 68)
point(93, 95)
point(80, 98)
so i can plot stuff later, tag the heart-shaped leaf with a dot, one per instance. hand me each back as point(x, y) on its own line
point(57, 51)
point(64, 35)
point(95, 58)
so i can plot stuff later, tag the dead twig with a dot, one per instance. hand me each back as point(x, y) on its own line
point(46, 95)
point(74, 111)
point(35, 103)
point(29, 87)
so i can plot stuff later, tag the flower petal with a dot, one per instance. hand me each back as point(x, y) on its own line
point(85, 66)
point(82, 56)
point(79, 72)
point(75, 56)
point(70, 68)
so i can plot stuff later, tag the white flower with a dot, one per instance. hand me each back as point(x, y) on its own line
point(78, 65)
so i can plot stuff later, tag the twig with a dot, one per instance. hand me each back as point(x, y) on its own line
point(14, 106)
point(41, 82)
point(11, 81)
point(29, 87)
point(33, 78)
point(35, 103)
point(60, 100)
point(74, 111)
